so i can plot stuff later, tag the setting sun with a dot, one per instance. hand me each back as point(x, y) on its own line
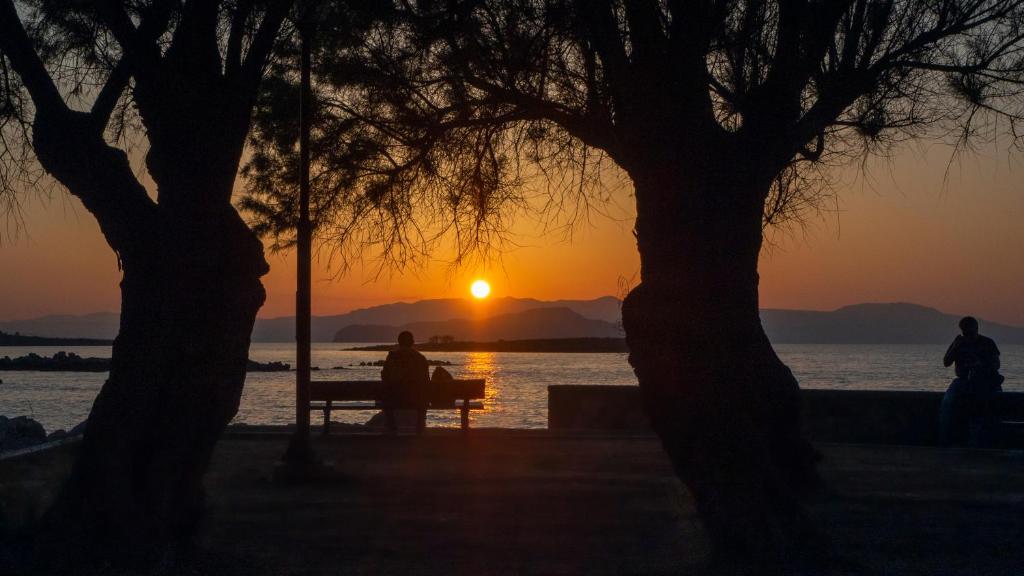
point(480, 289)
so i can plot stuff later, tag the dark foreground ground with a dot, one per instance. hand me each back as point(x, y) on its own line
point(524, 502)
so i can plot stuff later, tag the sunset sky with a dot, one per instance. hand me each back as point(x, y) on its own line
point(901, 234)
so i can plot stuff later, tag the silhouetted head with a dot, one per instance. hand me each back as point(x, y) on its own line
point(969, 327)
point(405, 339)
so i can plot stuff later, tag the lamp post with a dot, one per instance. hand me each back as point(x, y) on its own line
point(299, 449)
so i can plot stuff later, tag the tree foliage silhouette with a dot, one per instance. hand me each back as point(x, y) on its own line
point(398, 189)
point(724, 114)
point(78, 80)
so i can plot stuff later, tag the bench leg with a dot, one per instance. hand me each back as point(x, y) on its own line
point(465, 414)
point(327, 417)
point(421, 421)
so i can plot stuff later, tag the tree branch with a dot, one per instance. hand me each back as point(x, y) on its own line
point(233, 55)
point(583, 128)
point(69, 147)
point(17, 46)
point(137, 44)
point(606, 41)
point(111, 92)
point(263, 43)
point(646, 33)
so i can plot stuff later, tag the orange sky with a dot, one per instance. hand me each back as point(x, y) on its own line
point(901, 235)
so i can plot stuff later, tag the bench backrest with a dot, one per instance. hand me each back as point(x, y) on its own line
point(342, 390)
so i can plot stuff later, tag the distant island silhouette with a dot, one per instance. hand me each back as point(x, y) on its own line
point(577, 345)
point(896, 323)
point(539, 323)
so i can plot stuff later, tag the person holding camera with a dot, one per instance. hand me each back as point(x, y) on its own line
point(967, 406)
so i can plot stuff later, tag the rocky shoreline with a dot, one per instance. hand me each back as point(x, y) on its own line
point(23, 432)
point(59, 362)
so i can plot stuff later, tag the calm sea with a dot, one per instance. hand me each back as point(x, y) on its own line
point(516, 382)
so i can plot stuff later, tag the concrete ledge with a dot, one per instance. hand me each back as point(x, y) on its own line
point(842, 416)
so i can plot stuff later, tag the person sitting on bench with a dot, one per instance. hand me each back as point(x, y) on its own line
point(405, 376)
point(968, 403)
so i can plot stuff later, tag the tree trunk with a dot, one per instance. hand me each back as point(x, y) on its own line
point(190, 294)
point(724, 405)
point(191, 286)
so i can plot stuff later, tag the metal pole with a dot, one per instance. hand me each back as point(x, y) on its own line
point(299, 449)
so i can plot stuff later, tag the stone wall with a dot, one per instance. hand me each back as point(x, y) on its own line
point(845, 416)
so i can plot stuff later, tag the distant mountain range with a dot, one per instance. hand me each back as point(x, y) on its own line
point(104, 325)
point(524, 318)
point(898, 323)
point(324, 328)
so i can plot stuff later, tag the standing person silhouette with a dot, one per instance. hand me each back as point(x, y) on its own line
point(405, 376)
point(968, 401)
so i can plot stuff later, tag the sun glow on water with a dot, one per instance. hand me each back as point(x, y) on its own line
point(480, 289)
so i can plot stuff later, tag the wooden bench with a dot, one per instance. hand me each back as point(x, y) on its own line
point(329, 395)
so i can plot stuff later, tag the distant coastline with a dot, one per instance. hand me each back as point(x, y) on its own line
point(70, 362)
point(20, 340)
point(562, 345)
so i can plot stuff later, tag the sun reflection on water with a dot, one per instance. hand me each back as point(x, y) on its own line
point(484, 365)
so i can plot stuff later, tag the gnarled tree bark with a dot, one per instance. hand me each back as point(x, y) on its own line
point(190, 292)
point(726, 408)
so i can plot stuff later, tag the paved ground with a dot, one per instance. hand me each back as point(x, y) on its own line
point(492, 503)
point(532, 502)
point(927, 511)
point(516, 502)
